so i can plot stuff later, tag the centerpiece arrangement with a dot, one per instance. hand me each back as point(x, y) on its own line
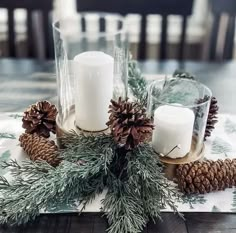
point(111, 145)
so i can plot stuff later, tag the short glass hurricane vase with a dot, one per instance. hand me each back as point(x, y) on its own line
point(179, 108)
point(91, 54)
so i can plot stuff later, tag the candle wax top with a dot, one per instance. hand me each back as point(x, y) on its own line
point(173, 114)
point(94, 58)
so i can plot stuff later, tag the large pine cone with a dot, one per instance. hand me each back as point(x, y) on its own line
point(212, 115)
point(40, 118)
point(207, 176)
point(128, 123)
point(39, 148)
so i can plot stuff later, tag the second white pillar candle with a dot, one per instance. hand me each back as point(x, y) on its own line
point(93, 89)
point(173, 127)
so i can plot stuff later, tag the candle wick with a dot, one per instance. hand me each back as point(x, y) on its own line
point(176, 147)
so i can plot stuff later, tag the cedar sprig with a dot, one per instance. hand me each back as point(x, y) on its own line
point(137, 82)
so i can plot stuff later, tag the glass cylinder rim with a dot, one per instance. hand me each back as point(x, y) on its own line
point(119, 17)
point(184, 106)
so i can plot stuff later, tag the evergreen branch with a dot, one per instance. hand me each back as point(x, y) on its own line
point(37, 185)
point(96, 149)
point(124, 210)
point(24, 197)
point(140, 194)
point(146, 171)
point(137, 82)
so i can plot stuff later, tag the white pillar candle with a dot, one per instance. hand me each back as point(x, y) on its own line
point(173, 127)
point(93, 89)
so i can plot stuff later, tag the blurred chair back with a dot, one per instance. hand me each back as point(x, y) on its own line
point(142, 7)
point(44, 7)
point(223, 29)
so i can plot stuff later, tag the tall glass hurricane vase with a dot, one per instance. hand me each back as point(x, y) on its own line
point(91, 62)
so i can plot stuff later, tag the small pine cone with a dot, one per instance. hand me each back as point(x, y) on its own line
point(207, 176)
point(212, 115)
point(39, 148)
point(40, 118)
point(128, 123)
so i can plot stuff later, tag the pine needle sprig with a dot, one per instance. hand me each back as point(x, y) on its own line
point(94, 154)
point(123, 209)
point(26, 168)
point(140, 195)
point(95, 151)
point(23, 198)
point(137, 82)
point(37, 185)
point(145, 170)
point(80, 146)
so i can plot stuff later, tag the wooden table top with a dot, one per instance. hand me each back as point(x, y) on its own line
point(23, 82)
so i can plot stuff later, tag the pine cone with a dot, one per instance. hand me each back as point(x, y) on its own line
point(207, 176)
point(39, 148)
point(128, 123)
point(40, 118)
point(212, 116)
